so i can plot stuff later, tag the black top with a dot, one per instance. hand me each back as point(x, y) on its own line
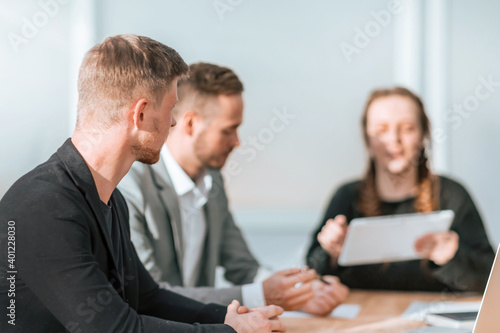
point(67, 277)
point(112, 224)
point(468, 270)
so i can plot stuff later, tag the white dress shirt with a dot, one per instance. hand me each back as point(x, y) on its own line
point(192, 197)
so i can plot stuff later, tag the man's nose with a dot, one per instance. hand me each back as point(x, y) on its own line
point(236, 142)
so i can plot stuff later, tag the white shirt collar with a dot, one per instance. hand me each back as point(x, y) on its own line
point(181, 181)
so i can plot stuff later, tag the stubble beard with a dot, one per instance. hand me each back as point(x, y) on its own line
point(208, 161)
point(143, 150)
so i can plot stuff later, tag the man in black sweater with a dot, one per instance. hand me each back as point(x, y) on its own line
point(67, 263)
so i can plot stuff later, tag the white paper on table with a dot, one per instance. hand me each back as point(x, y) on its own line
point(418, 310)
point(345, 311)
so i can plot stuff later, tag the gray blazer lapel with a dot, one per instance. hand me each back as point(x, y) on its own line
point(169, 199)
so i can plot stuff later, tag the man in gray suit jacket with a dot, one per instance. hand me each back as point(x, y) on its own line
point(181, 224)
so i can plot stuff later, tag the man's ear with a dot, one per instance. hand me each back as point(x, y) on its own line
point(189, 122)
point(138, 112)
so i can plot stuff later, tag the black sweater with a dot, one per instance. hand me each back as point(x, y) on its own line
point(467, 271)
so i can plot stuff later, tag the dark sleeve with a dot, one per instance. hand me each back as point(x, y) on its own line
point(469, 269)
point(168, 305)
point(343, 203)
point(56, 263)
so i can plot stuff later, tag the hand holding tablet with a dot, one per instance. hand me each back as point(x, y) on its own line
point(438, 247)
point(395, 238)
point(332, 235)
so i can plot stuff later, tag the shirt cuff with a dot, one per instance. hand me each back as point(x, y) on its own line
point(253, 295)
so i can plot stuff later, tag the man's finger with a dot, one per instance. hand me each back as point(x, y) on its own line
point(292, 295)
point(332, 294)
point(233, 307)
point(289, 272)
point(298, 302)
point(305, 277)
point(270, 311)
point(334, 297)
point(276, 325)
point(325, 304)
point(305, 288)
point(243, 310)
point(331, 279)
point(339, 290)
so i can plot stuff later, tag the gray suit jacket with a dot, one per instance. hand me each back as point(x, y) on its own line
point(156, 231)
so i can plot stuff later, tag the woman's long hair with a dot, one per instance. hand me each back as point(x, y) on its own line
point(427, 199)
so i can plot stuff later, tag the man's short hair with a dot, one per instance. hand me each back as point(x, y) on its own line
point(205, 81)
point(121, 69)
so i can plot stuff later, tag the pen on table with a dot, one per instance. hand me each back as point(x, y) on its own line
point(322, 279)
point(317, 277)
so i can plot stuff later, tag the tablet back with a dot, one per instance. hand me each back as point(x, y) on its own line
point(390, 238)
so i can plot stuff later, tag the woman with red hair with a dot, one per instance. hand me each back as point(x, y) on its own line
point(396, 132)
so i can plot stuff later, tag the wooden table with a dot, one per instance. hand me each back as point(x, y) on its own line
point(380, 312)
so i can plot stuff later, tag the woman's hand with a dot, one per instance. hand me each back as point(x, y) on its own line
point(438, 247)
point(332, 236)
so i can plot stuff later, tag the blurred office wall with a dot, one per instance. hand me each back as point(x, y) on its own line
point(475, 105)
point(34, 59)
point(307, 68)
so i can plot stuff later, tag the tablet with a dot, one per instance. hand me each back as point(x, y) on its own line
point(379, 239)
